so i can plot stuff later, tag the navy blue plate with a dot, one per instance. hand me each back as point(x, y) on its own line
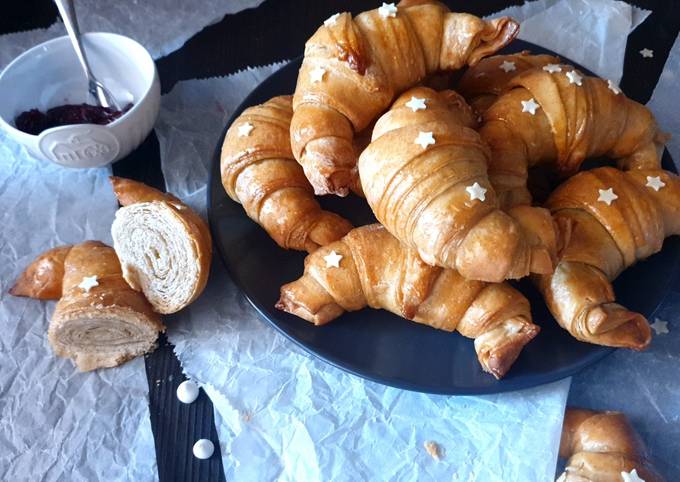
point(383, 347)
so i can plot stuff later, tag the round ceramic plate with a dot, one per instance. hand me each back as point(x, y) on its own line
point(383, 347)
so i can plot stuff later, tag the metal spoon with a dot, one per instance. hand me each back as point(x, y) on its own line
point(101, 94)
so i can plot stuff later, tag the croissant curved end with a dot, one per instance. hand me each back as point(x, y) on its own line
point(497, 349)
point(497, 34)
point(611, 324)
point(308, 300)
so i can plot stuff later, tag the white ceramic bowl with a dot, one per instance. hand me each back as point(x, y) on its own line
point(49, 75)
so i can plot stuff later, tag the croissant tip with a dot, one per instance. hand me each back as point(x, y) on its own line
point(613, 325)
point(500, 359)
point(16, 291)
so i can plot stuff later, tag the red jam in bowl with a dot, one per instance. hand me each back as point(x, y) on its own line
point(35, 121)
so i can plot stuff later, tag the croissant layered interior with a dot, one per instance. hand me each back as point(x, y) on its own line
point(165, 248)
point(156, 257)
point(99, 324)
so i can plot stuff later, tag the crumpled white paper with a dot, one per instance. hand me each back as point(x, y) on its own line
point(286, 415)
point(55, 422)
point(664, 101)
point(161, 26)
point(591, 32)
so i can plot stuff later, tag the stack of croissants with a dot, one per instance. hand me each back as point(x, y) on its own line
point(449, 177)
point(452, 177)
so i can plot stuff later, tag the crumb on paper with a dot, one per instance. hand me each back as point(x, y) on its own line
point(433, 449)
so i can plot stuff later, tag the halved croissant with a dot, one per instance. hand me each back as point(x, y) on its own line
point(575, 117)
point(164, 247)
point(353, 69)
point(605, 240)
point(424, 194)
point(601, 447)
point(375, 270)
point(260, 172)
point(98, 325)
point(482, 83)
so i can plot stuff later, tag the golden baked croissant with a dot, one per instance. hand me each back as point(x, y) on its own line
point(603, 447)
point(617, 218)
point(481, 84)
point(260, 172)
point(434, 195)
point(563, 117)
point(369, 267)
point(354, 68)
point(164, 247)
point(99, 320)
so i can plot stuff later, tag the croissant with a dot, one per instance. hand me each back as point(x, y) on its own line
point(617, 218)
point(354, 68)
point(424, 176)
point(260, 172)
point(603, 447)
point(369, 267)
point(164, 247)
point(562, 117)
point(99, 320)
point(481, 84)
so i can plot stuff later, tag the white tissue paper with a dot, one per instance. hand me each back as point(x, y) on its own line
point(591, 32)
point(283, 414)
point(162, 26)
point(55, 422)
point(664, 101)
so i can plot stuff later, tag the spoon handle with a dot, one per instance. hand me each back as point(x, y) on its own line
point(68, 15)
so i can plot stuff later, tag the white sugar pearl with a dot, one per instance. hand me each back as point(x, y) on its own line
point(203, 449)
point(187, 391)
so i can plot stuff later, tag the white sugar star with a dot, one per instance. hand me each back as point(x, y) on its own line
point(88, 283)
point(660, 327)
point(613, 87)
point(416, 104)
point(476, 192)
point(647, 53)
point(317, 74)
point(552, 68)
point(387, 10)
point(655, 182)
point(575, 78)
point(330, 21)
point(507, 66)
point(244, 129)
point(530, 106)
point(425, 139)
point(607, 196)
point(332, 260)
point(631, 476)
